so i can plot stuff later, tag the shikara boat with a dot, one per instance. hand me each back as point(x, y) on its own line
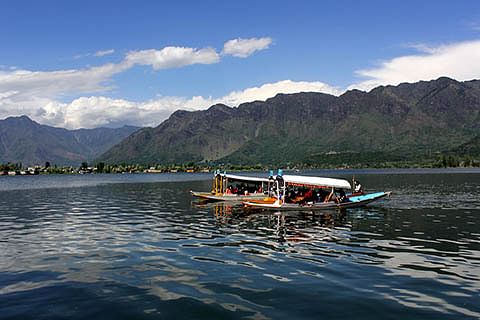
point(229, 187)
point(316, 193)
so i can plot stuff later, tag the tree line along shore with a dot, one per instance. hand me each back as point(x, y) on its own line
point(444, 161)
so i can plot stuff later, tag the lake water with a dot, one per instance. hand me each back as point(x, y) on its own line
point(138, 247)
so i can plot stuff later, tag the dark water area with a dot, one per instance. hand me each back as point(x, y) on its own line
point(139, 247)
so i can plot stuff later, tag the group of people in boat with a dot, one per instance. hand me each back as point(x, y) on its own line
point(289, 192)
point(299, 195)
point(243, 189)
point(309, 195)
point(305, 195)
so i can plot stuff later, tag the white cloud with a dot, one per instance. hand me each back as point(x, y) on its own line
point(421, 47)
point(99, 53)
point(458, 61)
point(172, 57)
point(54, 83)
point(37, 93)
point(89, 112)
point(34, 85)
point(6, 94)
point(243, 48)
point(102, 53)
point(271, 89)
point(51, 84)
point(81, 55)
point(96, 111)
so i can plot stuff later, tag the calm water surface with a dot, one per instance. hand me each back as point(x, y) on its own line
point(138, 247)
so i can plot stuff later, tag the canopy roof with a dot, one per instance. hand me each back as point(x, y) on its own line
point(243, 178)
point(317, 181)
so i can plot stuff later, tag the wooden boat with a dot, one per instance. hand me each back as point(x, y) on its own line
point(229, 187)
point(316, 198)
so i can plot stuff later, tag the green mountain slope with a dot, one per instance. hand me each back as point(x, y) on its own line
point(26, 141)
point(407, 121)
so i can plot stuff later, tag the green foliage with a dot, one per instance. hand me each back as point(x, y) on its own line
point(100, 167)
point(26, 141)
point(8, 167)
point(331, 161)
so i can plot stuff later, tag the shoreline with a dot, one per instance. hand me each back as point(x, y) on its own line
point(369, 170)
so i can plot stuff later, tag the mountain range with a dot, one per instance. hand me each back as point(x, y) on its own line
point(391, 123)
point(410, 121)
point(26, 141)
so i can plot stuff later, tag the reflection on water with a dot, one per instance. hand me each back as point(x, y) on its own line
point(284, 226)
point(146, 250)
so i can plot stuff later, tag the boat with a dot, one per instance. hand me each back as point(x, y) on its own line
point(294, 192)
point(229, 187)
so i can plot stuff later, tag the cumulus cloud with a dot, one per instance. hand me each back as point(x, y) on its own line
point(34, 85)
point(102, 53)
point(39, 94)
point(243, 48)
point(172, 57)
point(54, 84)
point(269, 90)
point(458, 61)
point(42, 94)
point(96, 111)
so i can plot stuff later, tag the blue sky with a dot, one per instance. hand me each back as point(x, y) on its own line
point(55, 53)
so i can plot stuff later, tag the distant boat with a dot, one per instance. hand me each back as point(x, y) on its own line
point(294, 192)
point(229, 187)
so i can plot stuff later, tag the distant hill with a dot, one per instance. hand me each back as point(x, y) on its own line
point(408, 121)
point(26, 141)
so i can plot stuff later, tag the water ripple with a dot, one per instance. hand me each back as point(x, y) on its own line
point(148, 246)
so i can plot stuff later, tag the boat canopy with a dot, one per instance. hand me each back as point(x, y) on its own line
point(318, 182)
point(243, 178)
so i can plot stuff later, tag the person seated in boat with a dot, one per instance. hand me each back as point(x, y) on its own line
point(308, 196)
point(342, 196)
point(290, 197)
point(296, 192)
point(358, 188)
point(297, 197)
point(229, 190)
point(331, 197)
point(321, 195)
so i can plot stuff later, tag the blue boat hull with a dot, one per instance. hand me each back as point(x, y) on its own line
point(352, 202)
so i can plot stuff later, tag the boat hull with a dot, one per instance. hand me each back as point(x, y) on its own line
point(356, 201)
point(227, 197)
